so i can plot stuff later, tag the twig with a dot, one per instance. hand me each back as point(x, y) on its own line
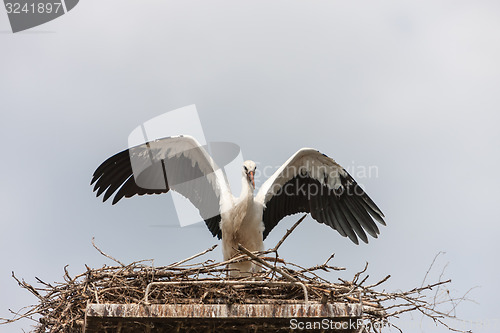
point(378, 283)
point(288, 232)
point(192, 257)
point(328, 260)
point(358, 274)
point(262, 262)
point(106, 255)
point(430, 267)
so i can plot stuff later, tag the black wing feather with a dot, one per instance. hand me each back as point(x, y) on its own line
point(115, 176)
point(349, 210)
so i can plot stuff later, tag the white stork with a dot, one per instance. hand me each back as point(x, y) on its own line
point(309, 182)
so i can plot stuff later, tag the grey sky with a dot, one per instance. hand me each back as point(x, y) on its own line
point(411, 88)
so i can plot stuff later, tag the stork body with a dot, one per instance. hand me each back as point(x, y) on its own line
point(243, 223)
point(309, 182)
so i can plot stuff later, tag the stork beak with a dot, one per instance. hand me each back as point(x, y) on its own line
point(250, 178)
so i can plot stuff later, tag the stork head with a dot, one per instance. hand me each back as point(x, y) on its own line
point(249, 171)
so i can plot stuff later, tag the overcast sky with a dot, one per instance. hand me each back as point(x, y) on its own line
point(410, 89)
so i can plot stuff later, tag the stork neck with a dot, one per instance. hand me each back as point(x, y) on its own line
point(246, 190)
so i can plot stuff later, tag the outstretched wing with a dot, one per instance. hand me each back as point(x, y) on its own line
point(179, 163)
point(312, 182)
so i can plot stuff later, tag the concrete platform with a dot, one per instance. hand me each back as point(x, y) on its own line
point(124, 318)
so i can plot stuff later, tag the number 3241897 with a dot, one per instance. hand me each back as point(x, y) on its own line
point(38, 8)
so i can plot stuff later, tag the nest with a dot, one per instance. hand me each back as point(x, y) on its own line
point(61, 306)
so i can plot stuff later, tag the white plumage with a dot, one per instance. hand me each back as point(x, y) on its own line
point(308, 182)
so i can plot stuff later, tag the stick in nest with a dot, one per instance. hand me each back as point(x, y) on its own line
point(106, 255)
point(288, 232)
